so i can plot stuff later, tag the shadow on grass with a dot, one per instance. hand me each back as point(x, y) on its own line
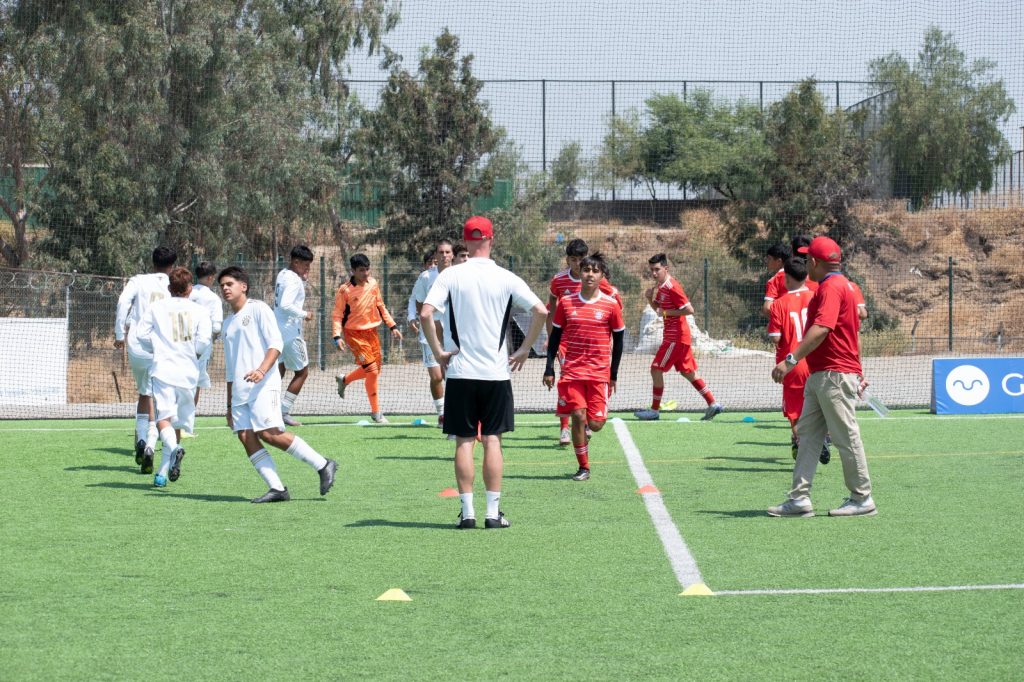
point(767, 444)
point(120, 485)
point(116, 451)
point(752, 470)
point(414, 458)
point(773, 426)
point(102, 467)
point(203, 498)
point(373, 523)
point(752, 460)
point(736, 513)
point(528, 477)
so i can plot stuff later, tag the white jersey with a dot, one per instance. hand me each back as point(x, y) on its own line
point(248, 335)
point(289, 297)
point(210, 302)
point(138, 294)
point(176, 331)
point(476, 299)
point(420, 290)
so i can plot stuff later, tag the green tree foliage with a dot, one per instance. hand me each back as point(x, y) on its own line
point(942, 129)
point(432, 135)
point(567, 170)
point(205, 126)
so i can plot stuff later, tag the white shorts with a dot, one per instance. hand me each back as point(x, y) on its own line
point(428, 356)
point(294, 355)
point(141, 363)
point(262, 412)
point(175, 404)
point(204, 362)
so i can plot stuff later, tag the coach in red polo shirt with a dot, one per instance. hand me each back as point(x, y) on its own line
point(832, 349)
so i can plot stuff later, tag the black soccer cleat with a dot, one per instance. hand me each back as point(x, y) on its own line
point(582, 475)
point(175, 471)
point(825, 457)
point(327, 476)
point(465, 524)
point(273, 496)
point(140, 449)
point(500, 522)
point(147, 461)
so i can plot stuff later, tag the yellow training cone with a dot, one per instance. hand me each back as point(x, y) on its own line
point(395, 594)
point(697, 590)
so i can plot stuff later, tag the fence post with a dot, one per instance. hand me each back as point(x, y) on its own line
point(323, 310)
point(613, 117)
point(512, 263)
point(949, 346)
point(195, 262)
point(385, 293)
point(544, 126)
point(707, 303)
point(760, 94)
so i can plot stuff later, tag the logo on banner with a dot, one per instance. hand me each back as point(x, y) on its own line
point(967, 385)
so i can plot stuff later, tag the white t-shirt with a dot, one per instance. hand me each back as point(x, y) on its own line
point(476, 299)
point(210, 302)
point(176, 331)
point(248, 335)
point(138, 294)
point(420, 290)
point(289, 297)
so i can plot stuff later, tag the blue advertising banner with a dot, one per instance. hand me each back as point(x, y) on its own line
point(977, 385)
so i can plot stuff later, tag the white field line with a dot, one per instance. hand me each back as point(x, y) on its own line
point(683, 563)
point(870, 590)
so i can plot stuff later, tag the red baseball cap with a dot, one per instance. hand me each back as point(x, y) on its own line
point(477, 228)
point(823, 248)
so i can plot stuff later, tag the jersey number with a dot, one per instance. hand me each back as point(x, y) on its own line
point(181, 326)
point(799, 321)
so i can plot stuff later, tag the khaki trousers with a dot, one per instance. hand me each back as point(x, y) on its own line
point(829, 408)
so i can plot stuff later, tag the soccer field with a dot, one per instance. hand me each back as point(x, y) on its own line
point(104, 576)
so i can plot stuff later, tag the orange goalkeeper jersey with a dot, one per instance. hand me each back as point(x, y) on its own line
point(358, 307)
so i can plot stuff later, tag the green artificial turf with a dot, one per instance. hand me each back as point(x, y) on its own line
point(103, 576)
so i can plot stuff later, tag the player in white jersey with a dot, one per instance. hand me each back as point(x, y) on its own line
point(252, 345)
point(413, 317)
point(139, 292)
point(289, 298)
point(203, 294)
point(443, 258)
point(177, 332)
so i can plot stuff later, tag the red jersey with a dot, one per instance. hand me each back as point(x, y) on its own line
point(587, 328)
point(787, 319)
point(835, 307)
point(670, 296)
point(776, 286)
point(858, 295)
point(564, 284)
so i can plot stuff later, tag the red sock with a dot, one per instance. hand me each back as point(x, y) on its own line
point(581, 456)
point(563, 422)
point(656, 402)
point(704, 391)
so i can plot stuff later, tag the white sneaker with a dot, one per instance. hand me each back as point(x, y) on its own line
point(564, 437)
point(801, 507)
point(851, 507)
point(379, 418)
point(290, 421)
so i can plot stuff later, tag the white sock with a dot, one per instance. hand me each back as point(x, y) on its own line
point(467, 505)
point(439, 406)
point(492, 503)
point(287, 401)
point(141, 427)
point(170, 445)
point(264, 465)
point(151, 435)
point(300, 450)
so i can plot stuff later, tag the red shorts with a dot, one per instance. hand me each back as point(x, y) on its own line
point(673, 354)
point(793, 392)
point(576, 394)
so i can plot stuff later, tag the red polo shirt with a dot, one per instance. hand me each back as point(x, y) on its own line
point(834, 306)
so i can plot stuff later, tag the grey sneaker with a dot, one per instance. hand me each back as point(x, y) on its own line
point(581, 475)
point(273, 496)
point(341, 385)
point(647, 415)
point(327, 476)
point(175, 472)
point(800, 507)
point(564, 437)
point(713, 410)
point(289, 420)
point(851, 507)
point(379, 418)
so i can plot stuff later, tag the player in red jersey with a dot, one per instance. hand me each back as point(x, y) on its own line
point(774, 259)
point(588, 328)
point(675, 351)
point(787, 318)
point(568, 282)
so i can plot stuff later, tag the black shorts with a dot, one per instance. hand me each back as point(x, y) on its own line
point(468, 402)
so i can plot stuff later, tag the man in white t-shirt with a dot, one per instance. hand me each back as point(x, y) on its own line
point(252, 345)
point(477, 299)
point(177, 332)
point(203, 294)
point(289, 299)
point(412, 313)
point(443, 258)
point(138, 294)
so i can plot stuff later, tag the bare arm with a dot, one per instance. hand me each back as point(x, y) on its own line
point(812, 339)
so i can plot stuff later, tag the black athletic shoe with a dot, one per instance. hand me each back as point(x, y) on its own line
point(175, 471)
point(140, 449)
point(582, 475)
point(327, 476)
point(500, 522)
point(465, 523)
point(273, 496)
point(147, 461)
point(825, 457)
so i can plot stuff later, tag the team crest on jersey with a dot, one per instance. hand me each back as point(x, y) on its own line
point(599, 315)
point(245, 321)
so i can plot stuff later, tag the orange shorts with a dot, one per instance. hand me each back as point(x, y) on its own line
point(575, 394)
point(674, 355)
point(365, 345)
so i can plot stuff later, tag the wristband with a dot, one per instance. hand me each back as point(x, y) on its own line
point(791, 360)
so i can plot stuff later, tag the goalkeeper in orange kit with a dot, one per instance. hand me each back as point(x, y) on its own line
point(358, 311)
